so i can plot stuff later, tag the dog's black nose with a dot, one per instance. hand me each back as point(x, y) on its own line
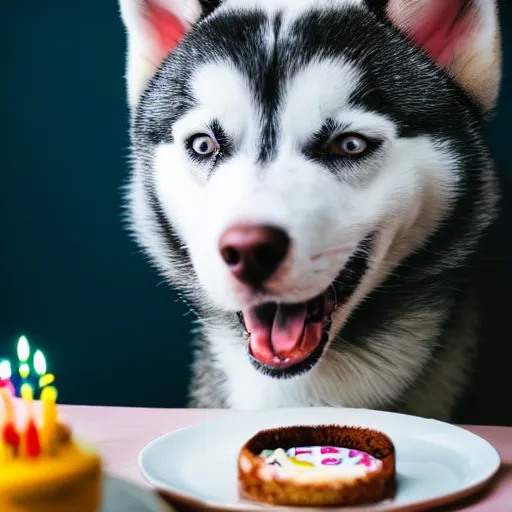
point(253, 253)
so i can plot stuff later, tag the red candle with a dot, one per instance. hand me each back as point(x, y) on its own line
point(33, 445)
point(27, 393)
point(10, 435)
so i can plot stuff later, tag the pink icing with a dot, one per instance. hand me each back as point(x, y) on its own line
point(301, 451)
point(331, 461)
point(366, 460)
point(328, 449)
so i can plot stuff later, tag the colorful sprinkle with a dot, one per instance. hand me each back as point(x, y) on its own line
point(322, 456)
point(366, 460)
point(266, 453)
point(301, 463)
point(331, 461)
point(329, 449)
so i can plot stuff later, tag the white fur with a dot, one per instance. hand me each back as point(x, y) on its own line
point(317, 209)
point(353, 378)
point(477, 67)
point(142, 61)
point(291, 8)
point(403, 196)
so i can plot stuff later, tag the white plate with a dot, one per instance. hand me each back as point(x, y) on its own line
point(436, 462)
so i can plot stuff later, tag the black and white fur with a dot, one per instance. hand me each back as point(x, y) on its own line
point(270, 73)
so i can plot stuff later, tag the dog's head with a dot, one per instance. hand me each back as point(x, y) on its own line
point(288, 154)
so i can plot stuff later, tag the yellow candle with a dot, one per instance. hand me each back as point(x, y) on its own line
point(5, 452)
point(27, 393)
point(49, 400)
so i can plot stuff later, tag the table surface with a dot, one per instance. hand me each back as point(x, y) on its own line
point(120, 434)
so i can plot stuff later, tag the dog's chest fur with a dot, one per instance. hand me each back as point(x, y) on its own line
point(413, 376)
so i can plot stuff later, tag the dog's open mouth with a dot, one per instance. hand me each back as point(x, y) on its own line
point(281, 336)
point(289, 339)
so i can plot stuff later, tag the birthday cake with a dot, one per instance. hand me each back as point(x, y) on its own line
point(317, 466)
point(42, 467)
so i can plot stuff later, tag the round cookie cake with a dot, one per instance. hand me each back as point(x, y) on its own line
point(317, 466)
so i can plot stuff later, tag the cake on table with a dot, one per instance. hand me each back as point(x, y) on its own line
point(317, 465)
point(42, 467)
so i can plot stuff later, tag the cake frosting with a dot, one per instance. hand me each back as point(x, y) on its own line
point(325, 465)
point(318, 463)
point(68, 479)
point(43, 468)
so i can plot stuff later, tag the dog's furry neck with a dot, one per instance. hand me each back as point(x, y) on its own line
point(414, 360)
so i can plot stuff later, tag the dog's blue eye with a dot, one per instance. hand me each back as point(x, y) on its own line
point(349, 145)
point(203, 145)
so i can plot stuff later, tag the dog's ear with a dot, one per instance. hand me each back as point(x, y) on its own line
point(462, 36)
point(154, 28)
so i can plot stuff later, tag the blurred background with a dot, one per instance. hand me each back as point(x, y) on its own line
point(71, 279)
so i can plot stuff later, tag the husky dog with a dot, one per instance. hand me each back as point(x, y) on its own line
point(311, 176)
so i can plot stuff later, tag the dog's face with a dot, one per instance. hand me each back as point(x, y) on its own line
point(290, 154)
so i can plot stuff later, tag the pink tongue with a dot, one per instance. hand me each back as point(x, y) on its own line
point(279, 337)
point(288, 328)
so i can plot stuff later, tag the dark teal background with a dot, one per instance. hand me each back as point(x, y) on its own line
point(70, 277)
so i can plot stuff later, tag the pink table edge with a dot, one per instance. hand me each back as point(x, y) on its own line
point(120, 433)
